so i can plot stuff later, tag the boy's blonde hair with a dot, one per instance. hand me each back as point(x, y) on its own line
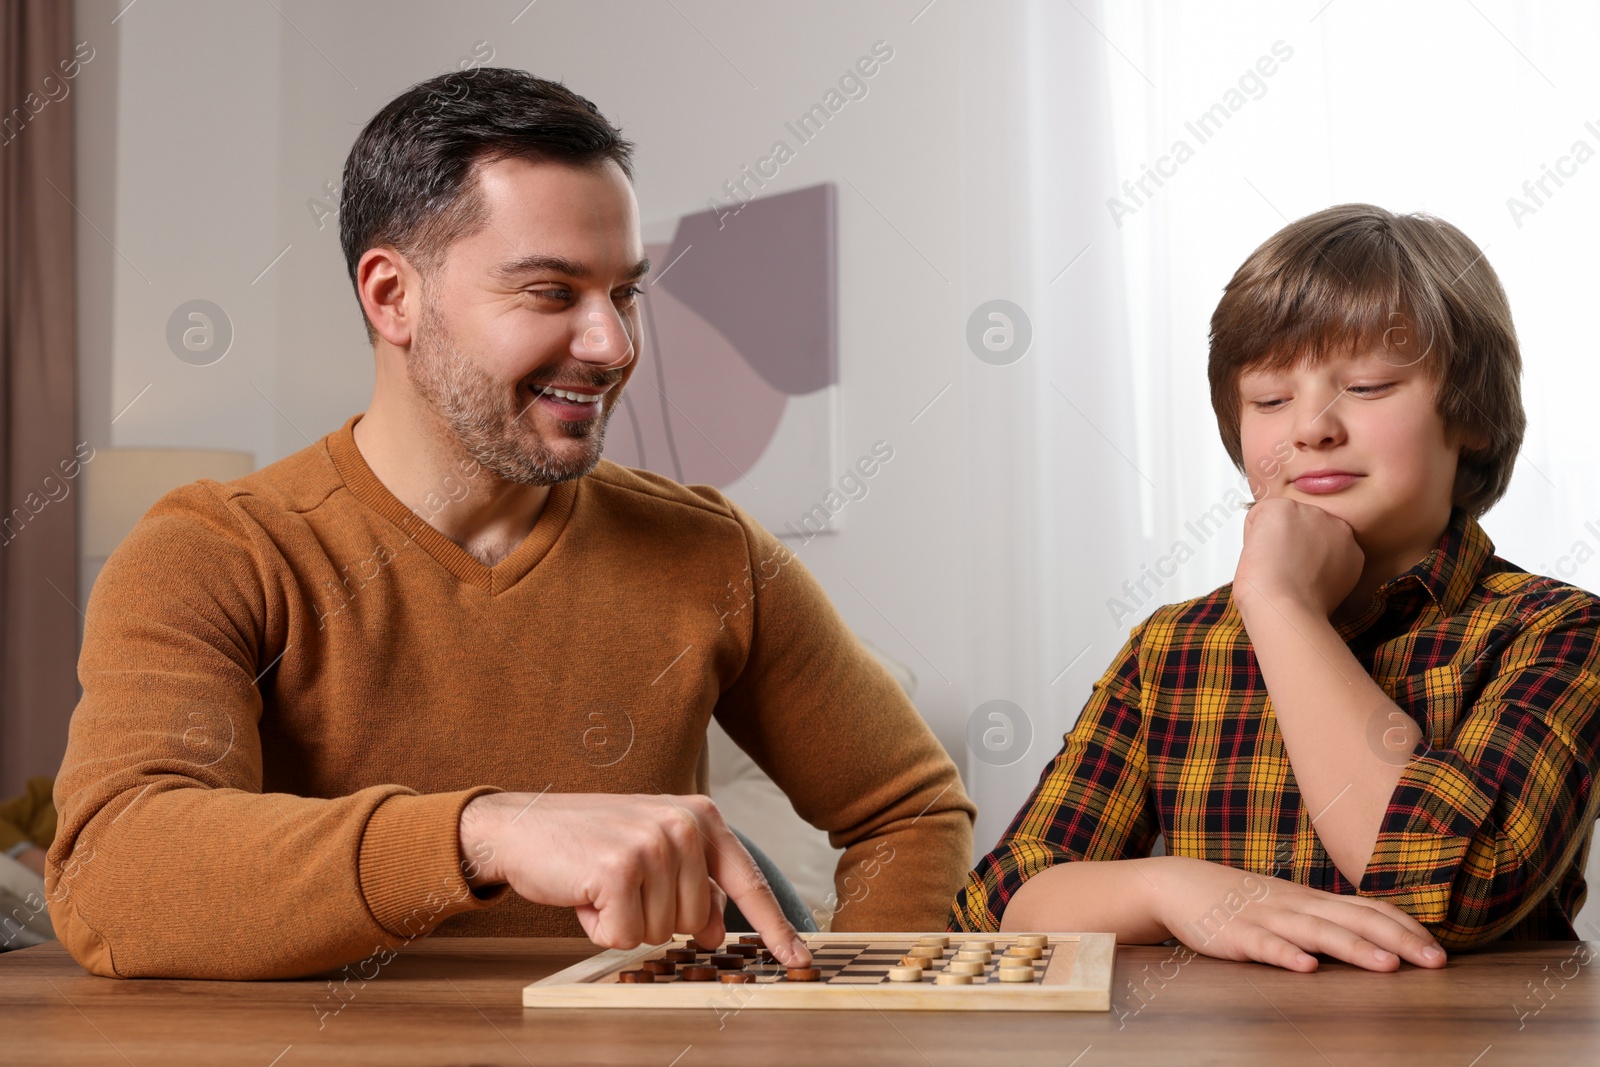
point(1356, 277)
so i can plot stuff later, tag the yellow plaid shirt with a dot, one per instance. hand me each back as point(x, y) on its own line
point(1487, 832)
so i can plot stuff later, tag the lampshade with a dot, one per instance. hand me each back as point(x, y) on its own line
point(120, 485)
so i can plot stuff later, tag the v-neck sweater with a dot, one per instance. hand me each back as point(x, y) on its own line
point(293, 684)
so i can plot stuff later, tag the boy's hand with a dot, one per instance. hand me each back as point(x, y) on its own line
point(1296, 553)
point(1236, 915)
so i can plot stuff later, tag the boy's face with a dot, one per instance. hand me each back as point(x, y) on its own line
point(1359, 436)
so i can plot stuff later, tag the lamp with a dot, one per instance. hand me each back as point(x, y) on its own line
point(121, 484)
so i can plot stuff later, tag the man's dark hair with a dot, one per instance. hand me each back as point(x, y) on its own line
point(410, 180)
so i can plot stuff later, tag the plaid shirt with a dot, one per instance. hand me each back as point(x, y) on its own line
point(1488, 829)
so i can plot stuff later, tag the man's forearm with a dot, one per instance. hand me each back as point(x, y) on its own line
point(1345, 738)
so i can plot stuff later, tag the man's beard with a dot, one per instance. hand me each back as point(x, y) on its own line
point(489, 419)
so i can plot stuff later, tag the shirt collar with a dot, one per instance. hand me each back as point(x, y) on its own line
point(1446, 575)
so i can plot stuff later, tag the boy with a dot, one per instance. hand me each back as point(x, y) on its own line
point(1380, 737)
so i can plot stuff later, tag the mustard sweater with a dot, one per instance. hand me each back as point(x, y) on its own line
point(293, 685)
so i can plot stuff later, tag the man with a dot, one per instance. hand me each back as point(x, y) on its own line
point(446, 650)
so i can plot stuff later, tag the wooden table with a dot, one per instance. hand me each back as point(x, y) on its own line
point(458, 1001)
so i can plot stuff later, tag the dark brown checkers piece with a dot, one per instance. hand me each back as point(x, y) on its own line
point(658, 966)
point(698, 972)
point(680, 955)
point(749, 952)
point(752, 939)
point(804, 974)
point(737, 976)
point(727, 961)
point(636, 976)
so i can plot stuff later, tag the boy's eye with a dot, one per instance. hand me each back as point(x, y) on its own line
point(1370, 390)
point(1265, 405)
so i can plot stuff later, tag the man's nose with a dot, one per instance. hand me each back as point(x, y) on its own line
point(602, 340)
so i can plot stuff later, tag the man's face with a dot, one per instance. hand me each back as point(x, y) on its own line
point(529, 326)
point(1359, 436)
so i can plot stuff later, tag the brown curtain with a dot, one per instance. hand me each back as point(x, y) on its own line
point(38, 392)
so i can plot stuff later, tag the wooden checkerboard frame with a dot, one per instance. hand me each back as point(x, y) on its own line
point(1076, 976)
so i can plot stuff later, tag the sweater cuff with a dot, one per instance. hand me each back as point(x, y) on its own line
point(410, 863)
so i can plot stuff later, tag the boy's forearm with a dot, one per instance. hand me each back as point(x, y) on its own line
point(1345, 738)
point(1114, 896)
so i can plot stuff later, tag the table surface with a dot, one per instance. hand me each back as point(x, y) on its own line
point(459, 1001)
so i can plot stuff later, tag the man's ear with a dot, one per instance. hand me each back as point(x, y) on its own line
point(391, 294)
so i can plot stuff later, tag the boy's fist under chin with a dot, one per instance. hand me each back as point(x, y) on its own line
point(1296, 553)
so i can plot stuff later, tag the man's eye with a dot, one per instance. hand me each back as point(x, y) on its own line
point(632, 292)
point(551, 294)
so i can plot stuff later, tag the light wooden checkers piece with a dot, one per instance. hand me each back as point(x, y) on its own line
point(1026, 952)
point(976, 955)
point(905, 974)
point(1016, 962)
point(934, 939)
point(947, 978)
point(986, 946)
point(927, 952)
point(1016, 974)
point(1033, 940)
point(915, 961)
point(803, 974)
point(636, 976)
point(966, 967)
point(732, 977)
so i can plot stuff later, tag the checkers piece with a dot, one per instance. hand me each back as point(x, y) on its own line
point(732, 977)
point(915, 961)
point(974, 954)
point(727, 961)
point(987, 946)
point(636, 976)
point(1016, 974)
point(752, 939)
point(934, 939)
point(971, 968)
point(680, 955)
point(947, 978)
point(905, 974)
point(658, 966)
point(749, 952)
point(698, 972)
point(927, 952)
point(1026, 952)
point(803, 974)
point(1033, 940)
point(1019, 963)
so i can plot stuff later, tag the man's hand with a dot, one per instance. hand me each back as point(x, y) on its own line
point(637, 869)
point(1296, 553)
point(1235, 915)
